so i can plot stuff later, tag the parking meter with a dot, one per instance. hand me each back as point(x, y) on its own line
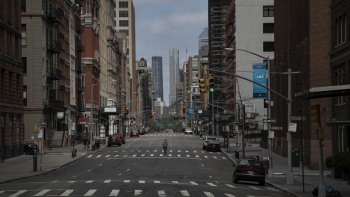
point(35, 158)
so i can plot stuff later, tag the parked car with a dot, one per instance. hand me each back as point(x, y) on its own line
point(206, 140)
point(121, 137)
point(249, 170)
point(114, 140)
point(188, 131)
point(213, 145)
point(29, 148)
point(134, 133)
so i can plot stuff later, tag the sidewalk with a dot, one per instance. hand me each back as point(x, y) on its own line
point(22, 166)
point(280, 169)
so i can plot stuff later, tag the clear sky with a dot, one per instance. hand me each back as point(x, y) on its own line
point(165, 24)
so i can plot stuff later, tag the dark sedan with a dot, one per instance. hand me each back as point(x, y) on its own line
point(249, 170)
point(114, 140)
point(213, 145)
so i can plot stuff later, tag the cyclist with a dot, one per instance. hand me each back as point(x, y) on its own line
point(165, 145)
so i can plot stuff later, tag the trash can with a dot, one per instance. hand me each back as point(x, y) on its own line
point(295, 158)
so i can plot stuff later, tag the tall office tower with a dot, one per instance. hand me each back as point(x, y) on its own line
point(173, 74)
point(157, 77)
point(11, 79)
point(217, 10)
point(203, 43)
point(125, 24)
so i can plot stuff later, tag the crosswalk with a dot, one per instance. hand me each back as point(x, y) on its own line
point(118, 192)
point(122, 154)
point(139, 192)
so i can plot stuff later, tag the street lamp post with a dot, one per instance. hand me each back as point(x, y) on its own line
point(269, 139)
point(91, 121)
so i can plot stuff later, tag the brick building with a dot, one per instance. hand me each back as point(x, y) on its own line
point(11, 80)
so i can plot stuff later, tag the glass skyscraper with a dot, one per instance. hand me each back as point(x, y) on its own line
point(157, 77)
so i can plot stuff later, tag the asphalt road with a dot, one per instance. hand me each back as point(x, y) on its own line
point(140, 168)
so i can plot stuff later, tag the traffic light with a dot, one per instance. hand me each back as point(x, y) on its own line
point(123, 110)
point(203, 85)
point(183, 109)
point(126, 110)
point(315, 113)
point(211, 84)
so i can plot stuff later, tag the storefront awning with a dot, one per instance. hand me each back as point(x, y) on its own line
point(324, 91)
point(83, 120)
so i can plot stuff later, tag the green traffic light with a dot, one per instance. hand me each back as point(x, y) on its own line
point(211, 89)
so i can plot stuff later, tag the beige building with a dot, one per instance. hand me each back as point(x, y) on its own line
point(125, 23)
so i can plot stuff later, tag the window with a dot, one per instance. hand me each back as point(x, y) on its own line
point(123, 4)
point(24, 64)
point(123, 14)
point(340, 30)
point(123, 23)
point(25, 95)
point(340, 77)
point(268, 46)
point(268, 28)
point(23, 5)
point(24, 34)
point(268, 11)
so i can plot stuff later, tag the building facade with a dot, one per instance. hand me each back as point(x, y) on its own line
point(157, 78)
point(302, 45)
point(125, 24)
point(12, 68)
point(51, 50)
point(173, 74)
point(217, 10)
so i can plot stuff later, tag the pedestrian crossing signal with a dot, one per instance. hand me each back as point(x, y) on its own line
point(123, 110)
point(126, 110)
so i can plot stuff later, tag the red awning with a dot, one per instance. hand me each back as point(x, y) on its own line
point(83, 120)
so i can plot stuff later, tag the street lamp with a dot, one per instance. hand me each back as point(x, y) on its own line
point(91, 121)
point(289, 101)
point(268, 108)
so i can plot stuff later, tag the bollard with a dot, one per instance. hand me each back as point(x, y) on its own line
point(35, 158)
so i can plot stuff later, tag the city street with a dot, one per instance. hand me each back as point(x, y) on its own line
point(140, 168)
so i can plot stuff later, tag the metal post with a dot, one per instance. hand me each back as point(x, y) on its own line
point(243, 131)
point(91, 115)
point(269, 138)
point(290, 178)
point(212, 113)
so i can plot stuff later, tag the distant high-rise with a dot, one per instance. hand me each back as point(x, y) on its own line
point(203, 43)
point(173, 74)
point(157, 77)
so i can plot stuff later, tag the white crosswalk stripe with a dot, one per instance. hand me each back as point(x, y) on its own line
point(18, 193)
point(231, 186)
point(90, 192)
point(89, 181)
point(184, 193)
point(161, 193)
point(126, 181)
point(208, 194)
point(157, 182)
point(211, 184)
point(254, 188)
point(137, 192)
point(107, 181)
point(230, 195)
point(142, 181)
point(114, 192)
point(67, 192)
point(193, 183)
point(43, 192)
point(175, 182)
